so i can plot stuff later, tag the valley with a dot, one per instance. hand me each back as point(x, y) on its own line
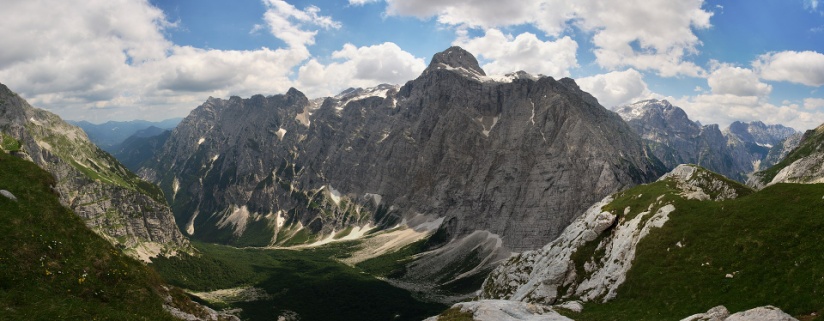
point(310, 283)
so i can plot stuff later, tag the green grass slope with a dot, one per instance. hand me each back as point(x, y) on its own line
point(770, 243)
point(309, 282)
point(54, 268)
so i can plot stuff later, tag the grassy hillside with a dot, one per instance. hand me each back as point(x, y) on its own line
point(765, 248)
point(54, 268)
point(308, 282)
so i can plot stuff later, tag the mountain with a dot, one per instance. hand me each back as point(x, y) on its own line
point(140, 147)
point(495, 164)
point(675, 139)
point(691, 241)
point(110, 134)
point(113, 202)
point(765, 144)
point(802, 165)
point(55, 268)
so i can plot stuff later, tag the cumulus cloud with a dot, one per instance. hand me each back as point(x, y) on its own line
point(644, 34)
point(365, 66)
point(805, 67)
point(286, 22)
point(524, 52)
point(728, 79)
point(361, 2)
point(110, 59)
point(725, 108)
point(814, 103)
point(616, 88)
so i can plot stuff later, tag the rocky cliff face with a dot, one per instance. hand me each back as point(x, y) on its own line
point(804, 164)
point(125, 210)
point(590, 260)
point(763, 145)
point(734, 152)
point(515, 158)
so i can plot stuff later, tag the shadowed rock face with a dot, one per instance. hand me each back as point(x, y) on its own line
point(517, 158)
point(112, 200)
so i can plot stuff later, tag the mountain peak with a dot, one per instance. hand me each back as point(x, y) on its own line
point(456, 57)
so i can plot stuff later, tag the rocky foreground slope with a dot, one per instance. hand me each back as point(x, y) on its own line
point(113, 202)
point(691, 241)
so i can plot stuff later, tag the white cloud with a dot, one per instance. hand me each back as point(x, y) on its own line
point(811, 5)
point(110, 59)
point(359, 67)
point(805, 67)
point(285, 22)
point(361, 2)
point(643, 34)
point(616, 88)
point(728, 79)
point(723, 109)
point(814, 103)
point(524, 52)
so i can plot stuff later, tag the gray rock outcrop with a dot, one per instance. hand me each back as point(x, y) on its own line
point(551, 275)
point(116, 204)
point(720, 313)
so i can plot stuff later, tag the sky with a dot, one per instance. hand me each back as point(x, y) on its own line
point(719, 60)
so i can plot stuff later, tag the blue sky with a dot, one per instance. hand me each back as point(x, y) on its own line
point(130, 59)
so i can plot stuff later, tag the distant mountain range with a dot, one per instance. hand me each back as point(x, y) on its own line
point(109, 135)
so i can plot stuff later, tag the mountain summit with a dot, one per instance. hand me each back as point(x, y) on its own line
point(457, 58)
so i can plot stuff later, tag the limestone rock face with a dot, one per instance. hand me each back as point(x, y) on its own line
point(114, 202)
point(720, 313)
point(551, 275)
point(502, 310)
point(517, 157)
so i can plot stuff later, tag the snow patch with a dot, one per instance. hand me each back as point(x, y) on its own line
point(334, 194)
point(303, 117)
point(281, 132)
point(200, 141)
point(487, 124)
point(376, 198)
point(280, 219)
point(190, 226)
point(175, 187)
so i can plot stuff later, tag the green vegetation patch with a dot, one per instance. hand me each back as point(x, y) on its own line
point(763, 249)
point(309, 282)
point(54, 268)
point(9, 144)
